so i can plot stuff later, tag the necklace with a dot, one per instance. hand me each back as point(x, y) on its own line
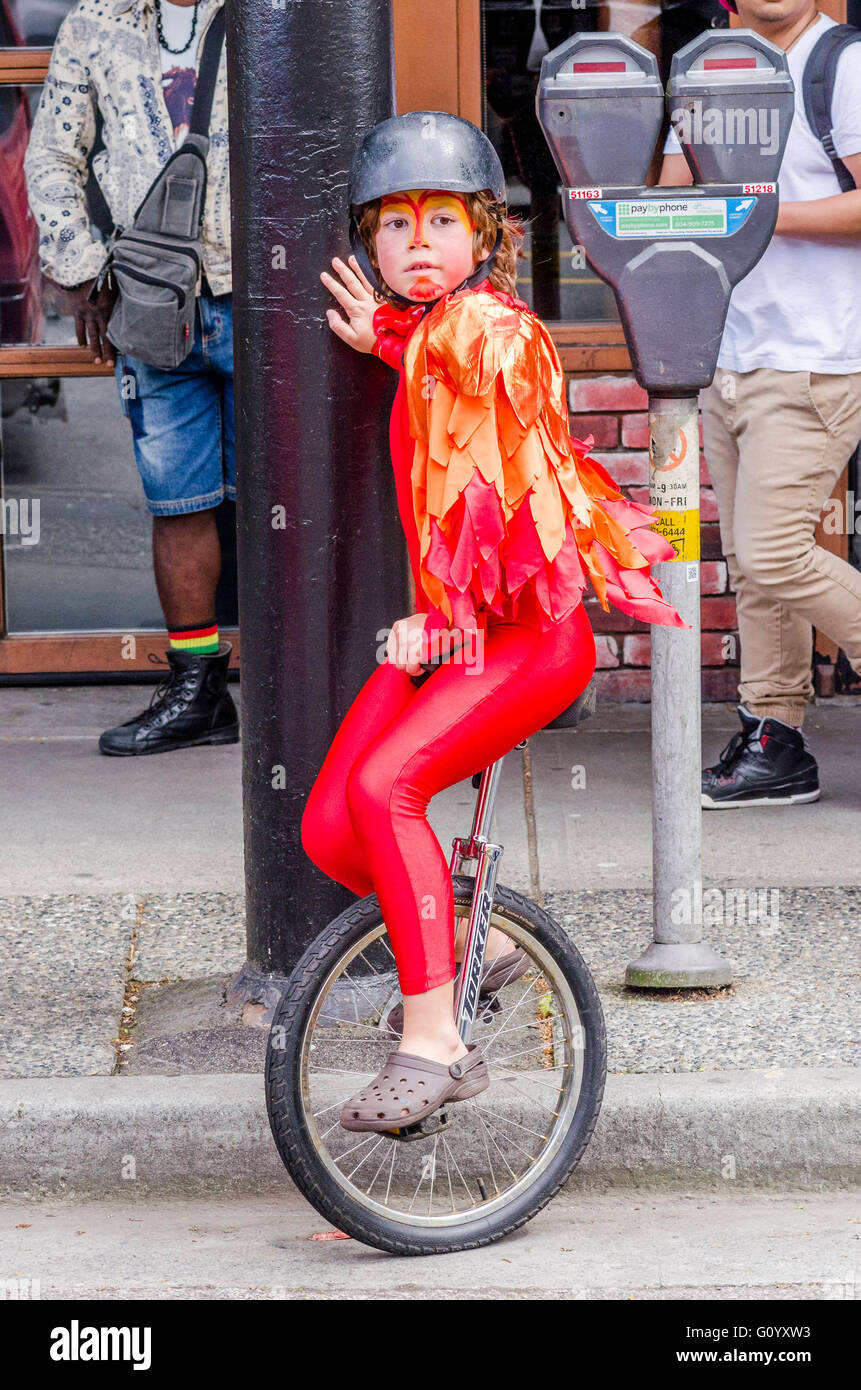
point(802, 31)
point(161, 38)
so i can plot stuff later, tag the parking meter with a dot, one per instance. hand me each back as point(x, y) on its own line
point(672, 257)
point(600, 104)
point(731, 103)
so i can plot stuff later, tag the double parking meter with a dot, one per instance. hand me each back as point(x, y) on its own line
point(671, 256)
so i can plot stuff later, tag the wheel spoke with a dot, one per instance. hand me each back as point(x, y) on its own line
point(511, 1082)
point(489, 1132)
point(527, 1052)
point(508, 1138)
point(487, 1151)
point(361, 1164)
point(457, 1168)
point(433, 1173)
point(494, 1040)
point(391, 1170)
point(346, 1154)
point(506, 1120)
point(378, 1172)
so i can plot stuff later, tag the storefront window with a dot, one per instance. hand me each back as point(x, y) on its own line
point(36, 21)
point(515, 36)
point(28, 309)
point(76, 529)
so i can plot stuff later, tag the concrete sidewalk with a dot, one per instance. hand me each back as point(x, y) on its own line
point(121, 889)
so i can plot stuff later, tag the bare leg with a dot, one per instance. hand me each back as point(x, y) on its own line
point(186, 556)
point(429, 1029)
point(498, 944)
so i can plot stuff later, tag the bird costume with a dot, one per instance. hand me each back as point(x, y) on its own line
point(496, 497)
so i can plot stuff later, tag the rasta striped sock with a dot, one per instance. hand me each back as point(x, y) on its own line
point(203, 641)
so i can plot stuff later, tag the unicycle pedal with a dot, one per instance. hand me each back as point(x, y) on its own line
point(424, 1129)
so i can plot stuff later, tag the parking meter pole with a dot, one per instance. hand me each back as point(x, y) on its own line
point(678, 957)
point(321, 564)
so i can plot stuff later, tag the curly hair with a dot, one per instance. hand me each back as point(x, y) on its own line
point(486, 215)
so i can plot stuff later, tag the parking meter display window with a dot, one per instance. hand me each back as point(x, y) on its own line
point(600, 103)
point(553, 275)
point(731, 103)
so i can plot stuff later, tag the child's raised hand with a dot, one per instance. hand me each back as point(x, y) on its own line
point(356, 298)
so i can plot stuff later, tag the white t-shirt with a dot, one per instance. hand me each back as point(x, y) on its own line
point(179, 70)
point(799, 309)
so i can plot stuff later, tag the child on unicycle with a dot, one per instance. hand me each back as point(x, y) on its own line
point(505, 518)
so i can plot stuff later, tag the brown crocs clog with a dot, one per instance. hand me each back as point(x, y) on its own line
point(415, 1085)
point(497, 973)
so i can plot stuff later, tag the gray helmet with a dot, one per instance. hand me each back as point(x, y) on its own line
point(423, 149)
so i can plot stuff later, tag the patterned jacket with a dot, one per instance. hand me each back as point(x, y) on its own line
point(106, 57)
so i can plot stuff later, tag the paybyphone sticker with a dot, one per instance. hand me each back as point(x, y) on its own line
point(672, 217)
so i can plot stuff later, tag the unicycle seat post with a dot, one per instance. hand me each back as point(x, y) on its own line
point(487, 784)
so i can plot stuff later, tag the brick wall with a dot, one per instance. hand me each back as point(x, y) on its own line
point(613, 408)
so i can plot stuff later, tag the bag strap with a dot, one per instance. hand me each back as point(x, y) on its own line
point(204, 90)
point(820, 72)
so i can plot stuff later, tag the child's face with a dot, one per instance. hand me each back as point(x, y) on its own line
point(424, 243)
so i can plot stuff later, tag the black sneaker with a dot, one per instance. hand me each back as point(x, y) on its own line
point(190, 706)
point(767, 763)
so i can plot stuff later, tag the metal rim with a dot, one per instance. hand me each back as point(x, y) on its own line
point(381, 1146)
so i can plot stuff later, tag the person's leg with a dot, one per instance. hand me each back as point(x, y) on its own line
point(186, 556)
point(460, 721)
point(775, 642)
point(326, 829)
point(796, 432)
point(176, 420)
point(177, 425)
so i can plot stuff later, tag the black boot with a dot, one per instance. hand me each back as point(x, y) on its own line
point(190, 706)
point(767, 763)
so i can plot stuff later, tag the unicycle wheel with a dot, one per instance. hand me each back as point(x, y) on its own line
point(483, 1166)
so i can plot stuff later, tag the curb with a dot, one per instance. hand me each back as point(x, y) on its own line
point(165, 1136)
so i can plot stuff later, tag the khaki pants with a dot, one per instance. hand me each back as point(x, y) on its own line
point(775, 444)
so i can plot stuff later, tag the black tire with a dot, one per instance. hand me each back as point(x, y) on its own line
point(287, 1116)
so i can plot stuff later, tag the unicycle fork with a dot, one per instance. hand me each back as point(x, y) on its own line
point(486, 856)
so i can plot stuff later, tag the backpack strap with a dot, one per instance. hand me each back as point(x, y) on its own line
point(820, 72)
point(205, 87)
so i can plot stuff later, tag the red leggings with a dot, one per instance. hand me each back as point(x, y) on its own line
point(365, 821)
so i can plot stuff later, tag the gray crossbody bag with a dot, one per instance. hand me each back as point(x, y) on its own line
point(157, 263)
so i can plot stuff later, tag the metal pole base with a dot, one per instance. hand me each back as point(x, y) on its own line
point(249, 986)
point(678, 965)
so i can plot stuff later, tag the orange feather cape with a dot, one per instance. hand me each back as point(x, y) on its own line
point(503, 498)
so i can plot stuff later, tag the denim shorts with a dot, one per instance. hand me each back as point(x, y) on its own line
point(182, 418)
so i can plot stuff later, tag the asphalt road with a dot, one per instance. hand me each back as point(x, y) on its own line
point(617, 1245)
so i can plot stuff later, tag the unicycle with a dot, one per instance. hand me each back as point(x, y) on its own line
point(473, 1171)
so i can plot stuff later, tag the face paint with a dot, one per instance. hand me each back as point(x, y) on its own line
point(435, 227)
point(420, 204)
